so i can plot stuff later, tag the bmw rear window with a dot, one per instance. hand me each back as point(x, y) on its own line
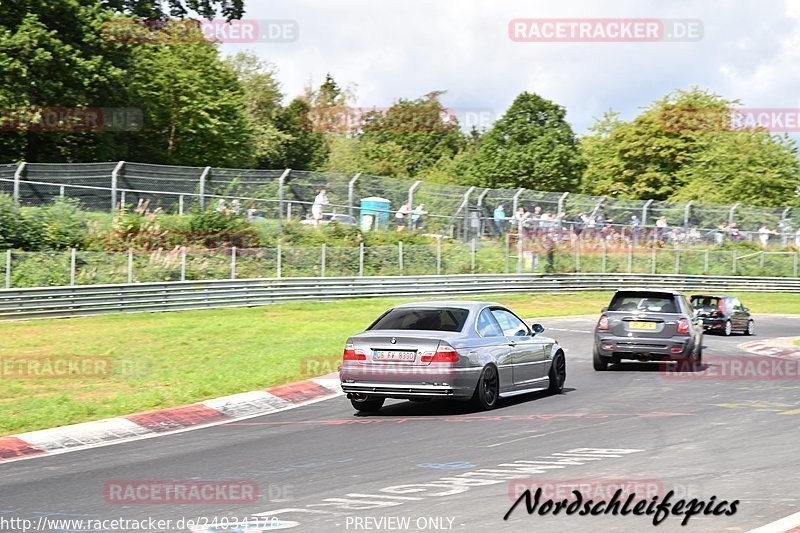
point(649, 302)
point(422, 319)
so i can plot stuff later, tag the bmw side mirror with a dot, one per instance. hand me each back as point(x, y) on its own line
point(603, 310)
point(537, 328)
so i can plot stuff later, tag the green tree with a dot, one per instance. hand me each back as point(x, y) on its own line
point(531, 146)
point(304, 148)
point(684, 146)
point(54, 55)
point(263, 104)
point(159, 9)
point(194, 106)
point(411, 136)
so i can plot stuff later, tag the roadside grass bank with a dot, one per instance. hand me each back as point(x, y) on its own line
point(127, 363)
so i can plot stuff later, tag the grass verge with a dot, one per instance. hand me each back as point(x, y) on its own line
point(158, 360)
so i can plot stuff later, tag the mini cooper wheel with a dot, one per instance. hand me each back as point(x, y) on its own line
point(751, 328)
point(599, 362)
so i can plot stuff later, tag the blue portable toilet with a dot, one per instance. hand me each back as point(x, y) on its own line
point(375, 213)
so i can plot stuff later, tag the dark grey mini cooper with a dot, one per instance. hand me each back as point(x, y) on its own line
point(648, 325)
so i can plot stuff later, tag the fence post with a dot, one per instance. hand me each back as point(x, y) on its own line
point(203, 177)
point(17, 178)
point(130, 265)
point(61, 192)
point(180, 203)
point(233, 263)
point(705, 264)
point(677, 261)
point(409, 218)
point(400, 255)
point(281, 181)
point(604, 256)
point(472, 256)
point(8, 268)
point(360, 259)
point(795, 263)
point(762, 260)
point(578, 256)
point(114, 177)
point(122, 200)
point(183, 263)
point(351, 194)
point(322, 261)
point(519, 244)
point(655, 262)
point(278, 267)
point(630, 258)
point(508, 250)
point(734, 262)
point(72, 266)
point(439, 255)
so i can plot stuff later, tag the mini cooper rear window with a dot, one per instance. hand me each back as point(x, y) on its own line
point(442, 319)
point(650, 302)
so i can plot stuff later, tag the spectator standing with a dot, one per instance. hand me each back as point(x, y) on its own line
point(416, 217)
point(320, 201)
point(661, 228)
point(401, 215)
point(763, 235)
point(578, 224)
point(635, 228)
point(499, 218)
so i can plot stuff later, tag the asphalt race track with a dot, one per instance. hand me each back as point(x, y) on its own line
point(321, 468)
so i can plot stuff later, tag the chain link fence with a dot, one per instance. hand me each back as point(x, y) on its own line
point(455, 211)
point(515, 255)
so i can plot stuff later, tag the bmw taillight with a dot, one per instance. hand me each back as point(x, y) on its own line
point(444, 354)
point(720, 307)
point(603, 323)
point(683, 326)
point(350, 354)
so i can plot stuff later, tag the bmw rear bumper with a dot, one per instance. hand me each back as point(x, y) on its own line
point(409, 382)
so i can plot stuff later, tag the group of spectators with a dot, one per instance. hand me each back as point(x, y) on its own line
point(595, 226)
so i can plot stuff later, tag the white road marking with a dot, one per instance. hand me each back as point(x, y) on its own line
point(548, 433)
point(779, 526)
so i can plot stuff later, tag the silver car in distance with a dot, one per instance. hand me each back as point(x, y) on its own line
point(463, 350)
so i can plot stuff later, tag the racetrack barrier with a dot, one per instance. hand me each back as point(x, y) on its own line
point(72, 301)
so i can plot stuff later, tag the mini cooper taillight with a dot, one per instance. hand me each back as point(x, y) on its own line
point(683, 326)
point(603, 323)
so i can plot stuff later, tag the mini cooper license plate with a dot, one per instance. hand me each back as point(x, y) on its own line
point(393, 355)
point(643, 326)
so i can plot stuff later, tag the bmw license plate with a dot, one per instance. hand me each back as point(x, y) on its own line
point(643, 326)
point(393, 355)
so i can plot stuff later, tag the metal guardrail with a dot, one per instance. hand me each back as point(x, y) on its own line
point(61, 302)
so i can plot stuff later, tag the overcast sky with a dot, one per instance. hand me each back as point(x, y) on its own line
point(407, 48)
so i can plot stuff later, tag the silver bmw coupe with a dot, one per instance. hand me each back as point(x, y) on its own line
point(463, 350)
